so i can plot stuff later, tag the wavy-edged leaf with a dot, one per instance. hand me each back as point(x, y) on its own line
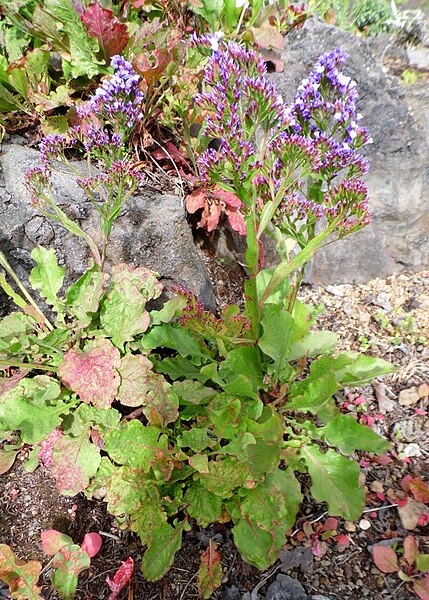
point(92, 373)
point(34, 408)
point(204, 506)
point(345, 433)
point(101, 23)
point(210, 571)
point(335, 480)
point(129, 493)
point(313, 344)
point(48, 277)
point(312, 394)
point(83, 296)
point(136, 445)
point(75, 462)
point(21, 577)
point(258, 547)
point(159, 556)
point(67, 564)
point(224, 476)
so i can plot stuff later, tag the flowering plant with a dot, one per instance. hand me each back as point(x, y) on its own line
point(107, 121)
point(178, 417)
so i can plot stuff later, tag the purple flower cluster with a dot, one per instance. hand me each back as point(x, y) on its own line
point(118, 99)
point(274, 148)
point(326, 102)
point(36, 181)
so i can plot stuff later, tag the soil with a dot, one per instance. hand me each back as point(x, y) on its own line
point(387, 318)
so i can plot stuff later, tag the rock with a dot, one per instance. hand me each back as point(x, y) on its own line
point(286, 588)
point(405, 430)
point(418, 58)
point(423, 390)
point(411, 513)
point(297, 557)
point(364, 524)
point(151, 230)
point(231, 593)
point(409, 397)
point(319, 597)
point(397, 240)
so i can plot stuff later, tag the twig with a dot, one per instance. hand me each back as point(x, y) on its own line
point(187, 585)
point(110, 535)
point(256, 589)
point(369, 510)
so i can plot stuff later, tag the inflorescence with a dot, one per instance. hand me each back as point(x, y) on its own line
point(273, 148)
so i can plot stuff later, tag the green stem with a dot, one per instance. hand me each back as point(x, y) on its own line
point(31, 366)
point(4, 263)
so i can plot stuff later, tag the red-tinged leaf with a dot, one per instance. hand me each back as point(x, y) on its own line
point(121, 578)
point(92, 543)
point(385, 559)
point(421, 588)
point(210, 571)
point(411, 550)
point(342, 539)
point(211, 216)
point(383, 459)
point(236, 220)
point(197, 199)
point(170, 152)
point(101, 23)
point(228, 198)
point(92, 373)
point(403, 502)
point(21, 577)
point(405, 482)
point(53, 540)
point(419, 490)
point(267, 36)
point(7, 458)
point(8, 383)
point(67, 564)
point(319, 548)
point(75, 461)
point(331, 524)
point(46, 453)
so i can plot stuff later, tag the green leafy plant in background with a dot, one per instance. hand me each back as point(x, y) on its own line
point(175, 416)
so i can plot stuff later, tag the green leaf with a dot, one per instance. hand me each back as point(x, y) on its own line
point(422, 563)
point(268, 432)
point(193, 392)
point(348, 435)
point(363, 369)
point(130, 494)
point(123, 315)
point(199, 462)
point(274, 502)
point(258, 547)
point(224, 412)
point(210, 571)
point(238, 446)
point(67, 564)
point(159, 556)
point(83, 296)
point(167, 336)
point(246, 362)
point(21, 577)
point(7, 458)
point(135, 445)
point(141, 386)
point(196, 439)
point(82, 47)
point(92, 373)
point(33, 408)
point(275, 341)
point(76, 461)
point(204, 506)
point(224, 476)
point(312, 394)
point(48, 277)
point(335, 480)
point(314, 344)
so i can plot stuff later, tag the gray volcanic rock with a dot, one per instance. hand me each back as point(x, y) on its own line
point(398, 238)
point(151, 230)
